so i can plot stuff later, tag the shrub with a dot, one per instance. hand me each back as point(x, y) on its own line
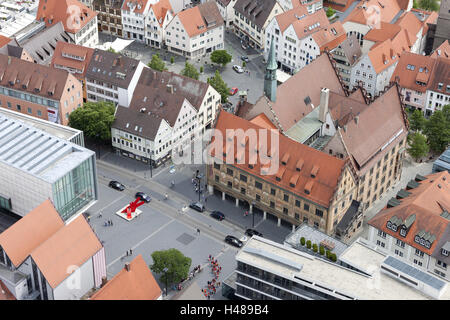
point(243, 64)
point(308, 244)
point(333, 257)
point(172, 60)
point(315, 247)
point(321, 250)
point(328, 252)
point(201, 69)
point(302, 241)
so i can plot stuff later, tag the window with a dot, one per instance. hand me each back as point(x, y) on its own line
point(18, 107)
point(316, 225)
point(382, 234)
point(217, 166)
point(286, 198)
point(272, 204)
point(381, 244)
point(258, 185)
point(272, 191)
point(229, 171)
point(441, 264)
point(243, 190)
point(285, 211)
point(400, 243)
point(258, 197)
point(230, 184)
point(319, 213)
point(419, 253)
point(306, 207)
point(297, 203)
point(243, 178)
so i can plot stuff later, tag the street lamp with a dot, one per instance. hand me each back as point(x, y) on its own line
point(165, 274)
point(150, 160)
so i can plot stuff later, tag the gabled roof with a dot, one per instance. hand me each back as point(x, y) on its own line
point(65, 11)
point(383, 55)
point(132, 120)
point(193, 90)
point(28, 233)
point(351, 48)
point(413, 68)
point(41, 46)
point(326, 169)
point(134, 282)
point(257, 11)
point(71, 245)
point(386, 31)
point(263, 121)
point(442, 51)
point(296, 96)
point(289, 17)
point(330, 37)
point(135, 6)
point(440, 77)
point(378, 126)
point(201, 18)
point(33, 74)
point(63, 53)
point(366, 10)
point(426, 202)
point(160, 10)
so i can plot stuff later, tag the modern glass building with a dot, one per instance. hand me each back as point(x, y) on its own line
point(36, 165)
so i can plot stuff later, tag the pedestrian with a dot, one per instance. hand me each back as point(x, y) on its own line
point(198, 231)
point(131, 252)
point(112, 222)
point(127, 253)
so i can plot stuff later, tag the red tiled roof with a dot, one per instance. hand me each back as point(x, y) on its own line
point(137, 283)
point(328, 169)
point(73, 49)
point(160, 9)
point(72, 13)
point(4, 41)
point(263, 121)
point(373, 11)
point(442, 51)
point(138, 6)
point(72, 245)
point(28, 233)
point(193, 19)
point(407, 78)
point(427, 202)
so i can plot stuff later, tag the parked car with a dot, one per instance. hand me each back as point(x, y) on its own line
point(233, 91)
point(116, 185)
point(238, 69)
point(217, 215)
point(233, 241)
point(143, 196)
point(198, 206)
point(244, 46)
point(245, 58)
point(253, 232)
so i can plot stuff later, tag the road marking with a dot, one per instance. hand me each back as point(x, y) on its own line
point(142, 241)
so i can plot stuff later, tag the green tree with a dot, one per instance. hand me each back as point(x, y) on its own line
point(244, 64)
point(201, 69)
point(429, 5)
point(315, 247)
point(417, 121)
point(157, 63)
point(321, 250)
point(172, 60)
point(176, 263)
point(94, 119)
point(333, 257)
point(330, 12)
point(437, 130)
point(418, 147)
point(302, 241)
point(221, 87)
point(190, 71)
point(308, 244)
point(327, 253)
point(221, 57)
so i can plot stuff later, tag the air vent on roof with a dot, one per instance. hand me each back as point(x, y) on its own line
point(285, 159)
point(142, 110)
point(314, 171)
point(299, 164)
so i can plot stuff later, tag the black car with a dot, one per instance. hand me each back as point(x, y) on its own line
point(116, 185)
point(244, 58)
point(253, 232)
point(233, 241)
point(197, 206)
point(217, 215)
point(143, 196)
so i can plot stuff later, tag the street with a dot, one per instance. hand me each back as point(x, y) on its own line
point(253, 82)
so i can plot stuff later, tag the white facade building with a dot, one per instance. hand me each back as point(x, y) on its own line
point(196, 31)
point(226, 8)
point(134, 15)
point(158, 17)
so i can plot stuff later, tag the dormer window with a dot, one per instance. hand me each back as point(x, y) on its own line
point(444, 252)
point(403, 231)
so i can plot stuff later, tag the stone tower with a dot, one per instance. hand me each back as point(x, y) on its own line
point(270, 79)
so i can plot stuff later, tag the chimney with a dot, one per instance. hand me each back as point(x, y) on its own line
point(356, 119)
point(127, 266)
point(104, 281)
point(323, 108)
point(169, 88)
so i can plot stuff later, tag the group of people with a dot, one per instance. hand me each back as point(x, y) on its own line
point(108, 223)
point(197, 187)
point(214, 284)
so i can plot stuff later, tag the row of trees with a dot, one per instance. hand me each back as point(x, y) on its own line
point(431, 134)
point(320, 249)
point(429, 5)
